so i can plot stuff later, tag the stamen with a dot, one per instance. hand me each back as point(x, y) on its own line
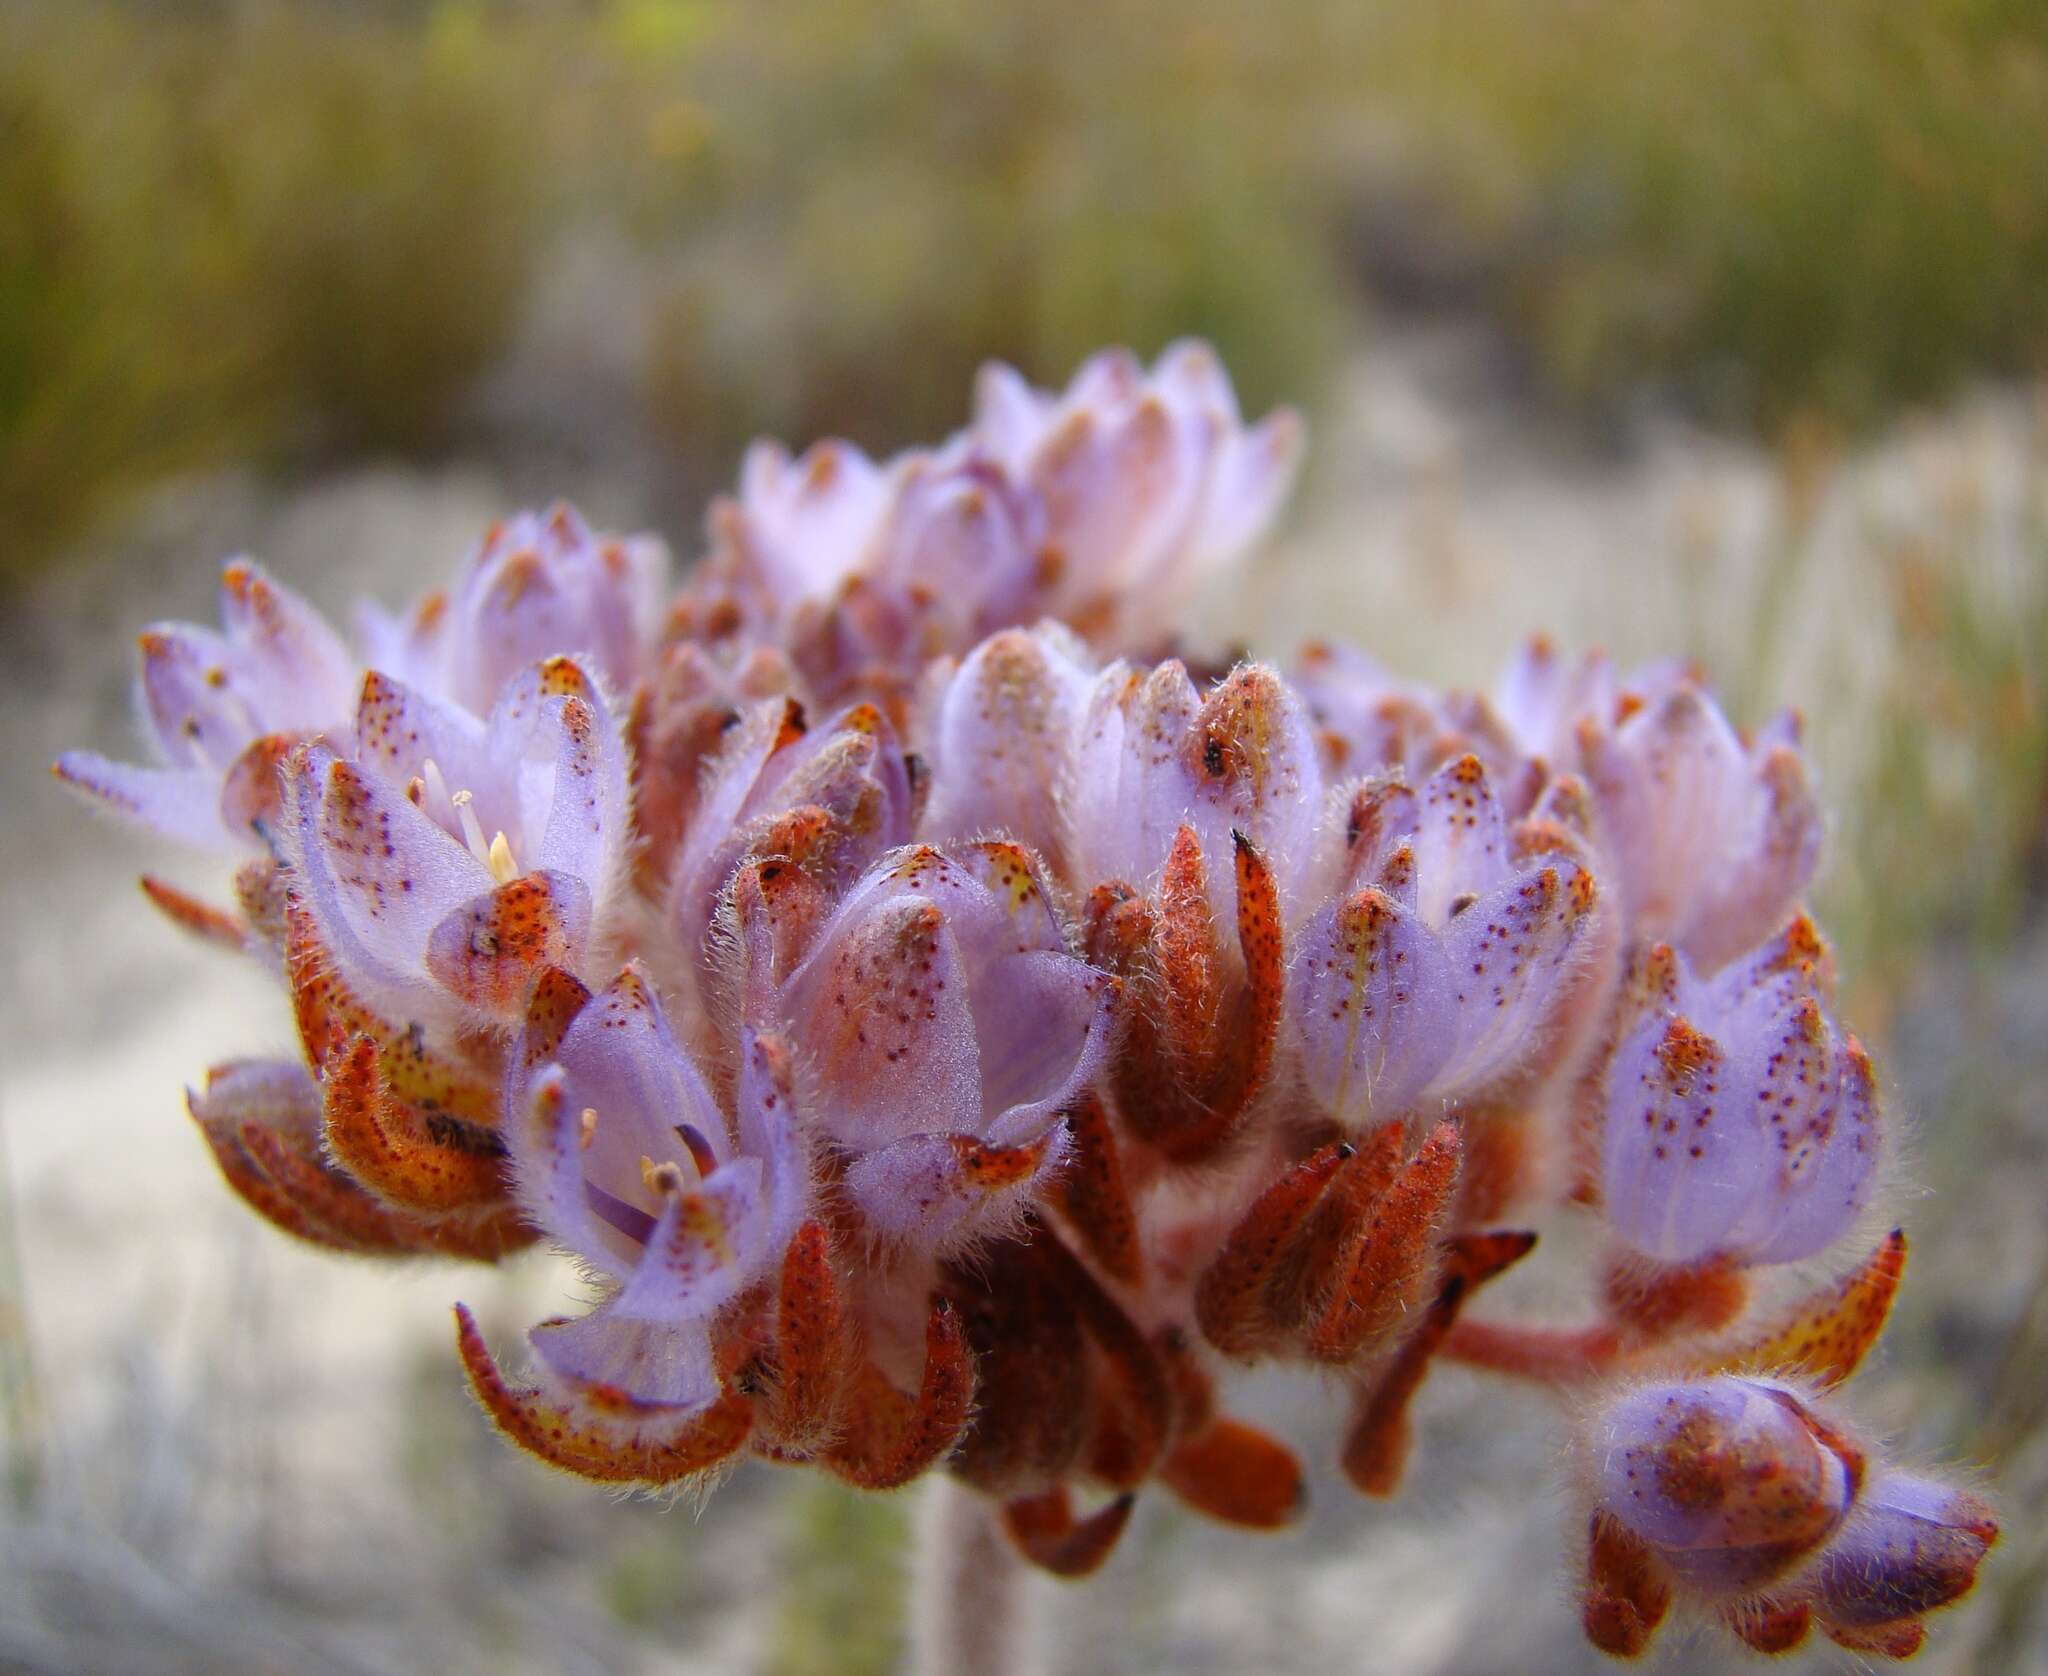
point(660, 1179)
point(503, 868)
point(472, 832)
point(430, 773)
point(586, 1128)
point(497, 854)
point(629, 1220)
point(700, 1149)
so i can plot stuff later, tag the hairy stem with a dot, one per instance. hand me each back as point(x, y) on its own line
point(974, 1609)
point(1547, 1355)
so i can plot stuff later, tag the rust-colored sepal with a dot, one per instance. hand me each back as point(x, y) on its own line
point(1887, 1641)
point(262, 1124)
point(1626, 1595)
point(1768, 1626)
point(211, 925)
point(1233, 1299)
point(420, 1165)
point(1652, 1303)
point(1391, 1255)
point(1092, 1198)
point(1262, 943)
point(1133, 1408)
point(354, 1220)
point(1046, 1533)
point(256, 1188)
point(1031, 1364)
point(617, 1441)
point(814, 1347)
point(889, 1438)
point(330, 1016)
point(1201, 1030)
point(1376, 1448)
point(1826, 1337)
point(1238, 1474)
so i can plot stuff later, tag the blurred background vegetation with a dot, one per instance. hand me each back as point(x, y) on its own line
point(269, 229)
point(283, 241)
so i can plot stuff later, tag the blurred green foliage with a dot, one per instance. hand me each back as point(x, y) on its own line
point(225, 233)
point(872, 199)
point(1776, 205)
point(239, 230)
point(843, 1582)
point(1946, 836)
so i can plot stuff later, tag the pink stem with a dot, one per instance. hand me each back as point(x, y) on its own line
point(1547, 1355)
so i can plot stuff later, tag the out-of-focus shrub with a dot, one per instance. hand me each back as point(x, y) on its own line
point(225, 233)
point(391, 193)
point(1774, 205)
point(228, 229)
point(867, 199)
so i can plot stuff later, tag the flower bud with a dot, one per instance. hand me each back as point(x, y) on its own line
point(534, 588)
point(1740, 1120)
point(1446, 960)
point(223, 710)
point(1739, 1495)
point(944, 1027)
point(620, 1152)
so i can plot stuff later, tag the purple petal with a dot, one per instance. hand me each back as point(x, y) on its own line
point(376, 875)
point(1000, 738)
point(915, 1190)
point(302, 676)
point(1371, 998)
point(1128, 789)
point(1511, 957)
point(768, 1131)
point(182, 804)
point(1831, 1172)
point(1681, 1163)
point(881, 1012)
point(1043, 1022)
point(400, 729)
point(1912, 1546)
point(1460, 840)
point(1726, 1478)
point(200, 695)
point(651, 1361)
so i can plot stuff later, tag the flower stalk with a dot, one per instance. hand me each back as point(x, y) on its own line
point(956, 1029)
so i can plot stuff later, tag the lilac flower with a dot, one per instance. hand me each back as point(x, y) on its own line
point(534, 588)
point(620, 1152)
point(1741, 1495)
point(942, 1027)
point(1911, 1545)
point(1368, 721)
point(1152, 755)
point(996, 735)
point(1105, 506)
point(827, 800)
point(1151, 481)
point(1740, 1121)
point(1710, 838)
point(1440, 964)
point(1728, 1480)
point(425, 916)
point(223, 709)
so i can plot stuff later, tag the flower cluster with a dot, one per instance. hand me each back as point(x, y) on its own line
point(951, 1030)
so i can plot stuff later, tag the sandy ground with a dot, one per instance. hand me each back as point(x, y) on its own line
point(260, 1459)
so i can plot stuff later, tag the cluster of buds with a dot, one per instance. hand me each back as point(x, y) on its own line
point(952, 1031)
